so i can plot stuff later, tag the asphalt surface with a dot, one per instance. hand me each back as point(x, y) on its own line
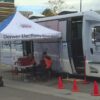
point(7, 93)
point(83, 88)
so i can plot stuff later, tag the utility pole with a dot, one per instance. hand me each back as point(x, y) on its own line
point(80, 5)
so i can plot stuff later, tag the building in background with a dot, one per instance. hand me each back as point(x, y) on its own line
point(26, 13)
point(6, 8)
point(35, 16)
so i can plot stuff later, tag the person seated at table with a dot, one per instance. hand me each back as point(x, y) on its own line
point(45, 66)
point(31, 59)
point(26, 61)
point(32, 65)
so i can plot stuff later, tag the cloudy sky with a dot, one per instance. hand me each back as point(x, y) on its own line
point(38, 6)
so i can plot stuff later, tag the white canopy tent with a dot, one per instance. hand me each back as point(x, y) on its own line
point(18, 27)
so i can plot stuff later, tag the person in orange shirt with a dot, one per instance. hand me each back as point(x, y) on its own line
point(47, 65)
point(44, 68)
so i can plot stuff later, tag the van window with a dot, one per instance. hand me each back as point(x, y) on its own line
point(96, 34)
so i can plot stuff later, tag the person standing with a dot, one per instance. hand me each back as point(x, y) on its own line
point(47, 65)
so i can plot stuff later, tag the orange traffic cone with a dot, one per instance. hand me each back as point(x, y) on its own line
point(75, 87)
point(95, 89)
point(60, 83)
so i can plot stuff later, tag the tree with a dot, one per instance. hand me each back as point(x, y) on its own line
point(48, 12)
point(58, 5)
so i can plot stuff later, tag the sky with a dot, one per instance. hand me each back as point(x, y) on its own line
point(37, 6)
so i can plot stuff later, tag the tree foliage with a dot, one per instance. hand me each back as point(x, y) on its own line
point(58, 5)
point(48, 12)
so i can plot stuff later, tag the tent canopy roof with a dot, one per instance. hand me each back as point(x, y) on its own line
point(18, 27)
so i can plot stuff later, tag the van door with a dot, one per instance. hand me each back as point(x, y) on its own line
point(75, 45)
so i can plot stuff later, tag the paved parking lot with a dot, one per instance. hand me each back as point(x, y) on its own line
point(7, 93)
